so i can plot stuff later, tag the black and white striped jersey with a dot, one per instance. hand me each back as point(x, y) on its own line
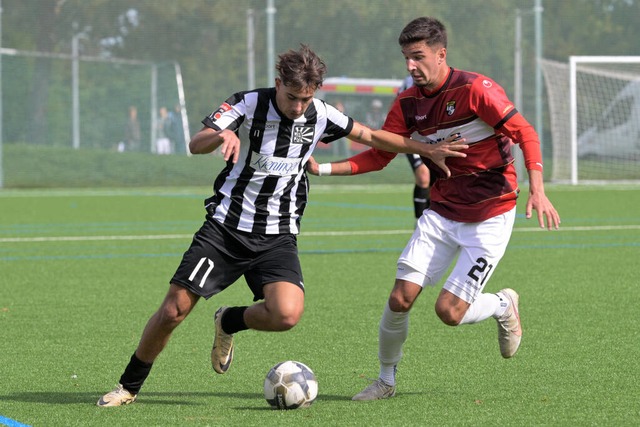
point(266, 191)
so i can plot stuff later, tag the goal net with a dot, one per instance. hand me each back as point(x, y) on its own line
point(594, 104)
point(87, 102)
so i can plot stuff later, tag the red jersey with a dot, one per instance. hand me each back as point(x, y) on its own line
point(483, 184)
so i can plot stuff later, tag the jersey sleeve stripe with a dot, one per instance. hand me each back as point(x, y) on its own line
point(504, 120)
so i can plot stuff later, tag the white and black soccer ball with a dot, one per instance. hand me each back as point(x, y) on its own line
point(290, 385)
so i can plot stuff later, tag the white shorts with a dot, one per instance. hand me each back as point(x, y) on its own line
point(163, 146)
point(437, 242)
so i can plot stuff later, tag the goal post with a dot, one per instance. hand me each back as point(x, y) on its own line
point(594, 105)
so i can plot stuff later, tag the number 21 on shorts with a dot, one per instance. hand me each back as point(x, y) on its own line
point(480, 271)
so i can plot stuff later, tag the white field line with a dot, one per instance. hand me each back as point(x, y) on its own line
point(304, 234)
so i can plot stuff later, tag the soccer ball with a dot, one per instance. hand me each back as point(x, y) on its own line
point(290, 385)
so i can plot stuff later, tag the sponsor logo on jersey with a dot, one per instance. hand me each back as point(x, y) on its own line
point(486, 83)
point(451, 108)
point(423, 117)
point(271, 165)
point(302, 134)
point(220, 111)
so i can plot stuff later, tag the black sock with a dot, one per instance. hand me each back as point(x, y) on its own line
point(233, 320)
point(421, 200)
point(135, 374)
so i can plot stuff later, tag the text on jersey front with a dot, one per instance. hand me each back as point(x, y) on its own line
point(271, 165)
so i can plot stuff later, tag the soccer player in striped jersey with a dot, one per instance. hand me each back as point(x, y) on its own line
point(473, 203)
point(252, 220)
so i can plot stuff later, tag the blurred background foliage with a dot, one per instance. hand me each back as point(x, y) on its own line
point(208, 39)
point(356, 38)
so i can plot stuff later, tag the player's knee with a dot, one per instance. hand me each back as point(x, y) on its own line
point(399, 303)
point(422, 177)
point(422, 182)
point(286, 321)
point(169, 316)
point(175, 307)
point(172, 314)
point(448, 314)
point(285, 317)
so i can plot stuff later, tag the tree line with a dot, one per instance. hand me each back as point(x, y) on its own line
point(356, 38)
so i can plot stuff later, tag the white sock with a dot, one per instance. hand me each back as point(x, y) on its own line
point(485, 306)
point(393, 332)
point(504, 304)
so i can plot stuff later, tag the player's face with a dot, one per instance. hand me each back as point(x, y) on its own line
point(427, 65)
point(293, 102)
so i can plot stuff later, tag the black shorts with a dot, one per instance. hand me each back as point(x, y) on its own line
point(415, 161)
point(219, 255)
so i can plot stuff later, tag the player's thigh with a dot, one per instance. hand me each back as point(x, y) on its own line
point(277, 262)
point(207, 267)
point(482, 247)
point(430, 251)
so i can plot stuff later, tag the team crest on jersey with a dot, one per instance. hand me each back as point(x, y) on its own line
point(451, 108)
point(302, 134)
point(220, 111)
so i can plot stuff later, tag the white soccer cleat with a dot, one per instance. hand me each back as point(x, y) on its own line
point(509, 327)
point(375, 391)
point(222, 351)
point(118, 397)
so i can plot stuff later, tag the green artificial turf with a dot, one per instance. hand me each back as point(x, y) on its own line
point(81, 271)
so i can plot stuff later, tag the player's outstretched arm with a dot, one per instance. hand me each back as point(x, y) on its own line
point(340, 167)
point(387, 141)
point(385, 145)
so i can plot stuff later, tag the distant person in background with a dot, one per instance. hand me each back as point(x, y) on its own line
point(421, 196)
point(376, 115)
point(163, 143)
point(132, 136)
point(374, 118)
point(176, 131)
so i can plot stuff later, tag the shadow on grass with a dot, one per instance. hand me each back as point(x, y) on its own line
point(150, 398)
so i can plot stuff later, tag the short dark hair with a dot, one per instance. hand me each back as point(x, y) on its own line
point(426, 29)
point(301, 69)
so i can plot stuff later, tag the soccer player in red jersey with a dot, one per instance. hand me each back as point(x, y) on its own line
point(473, 203)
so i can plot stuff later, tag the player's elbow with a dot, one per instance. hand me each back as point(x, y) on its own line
point(193, 147)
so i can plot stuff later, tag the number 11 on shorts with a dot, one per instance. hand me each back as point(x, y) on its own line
point(206, 273)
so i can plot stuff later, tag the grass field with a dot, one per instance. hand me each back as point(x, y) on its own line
point(81, 271)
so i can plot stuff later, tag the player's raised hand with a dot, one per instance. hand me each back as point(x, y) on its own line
point(230, 146)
